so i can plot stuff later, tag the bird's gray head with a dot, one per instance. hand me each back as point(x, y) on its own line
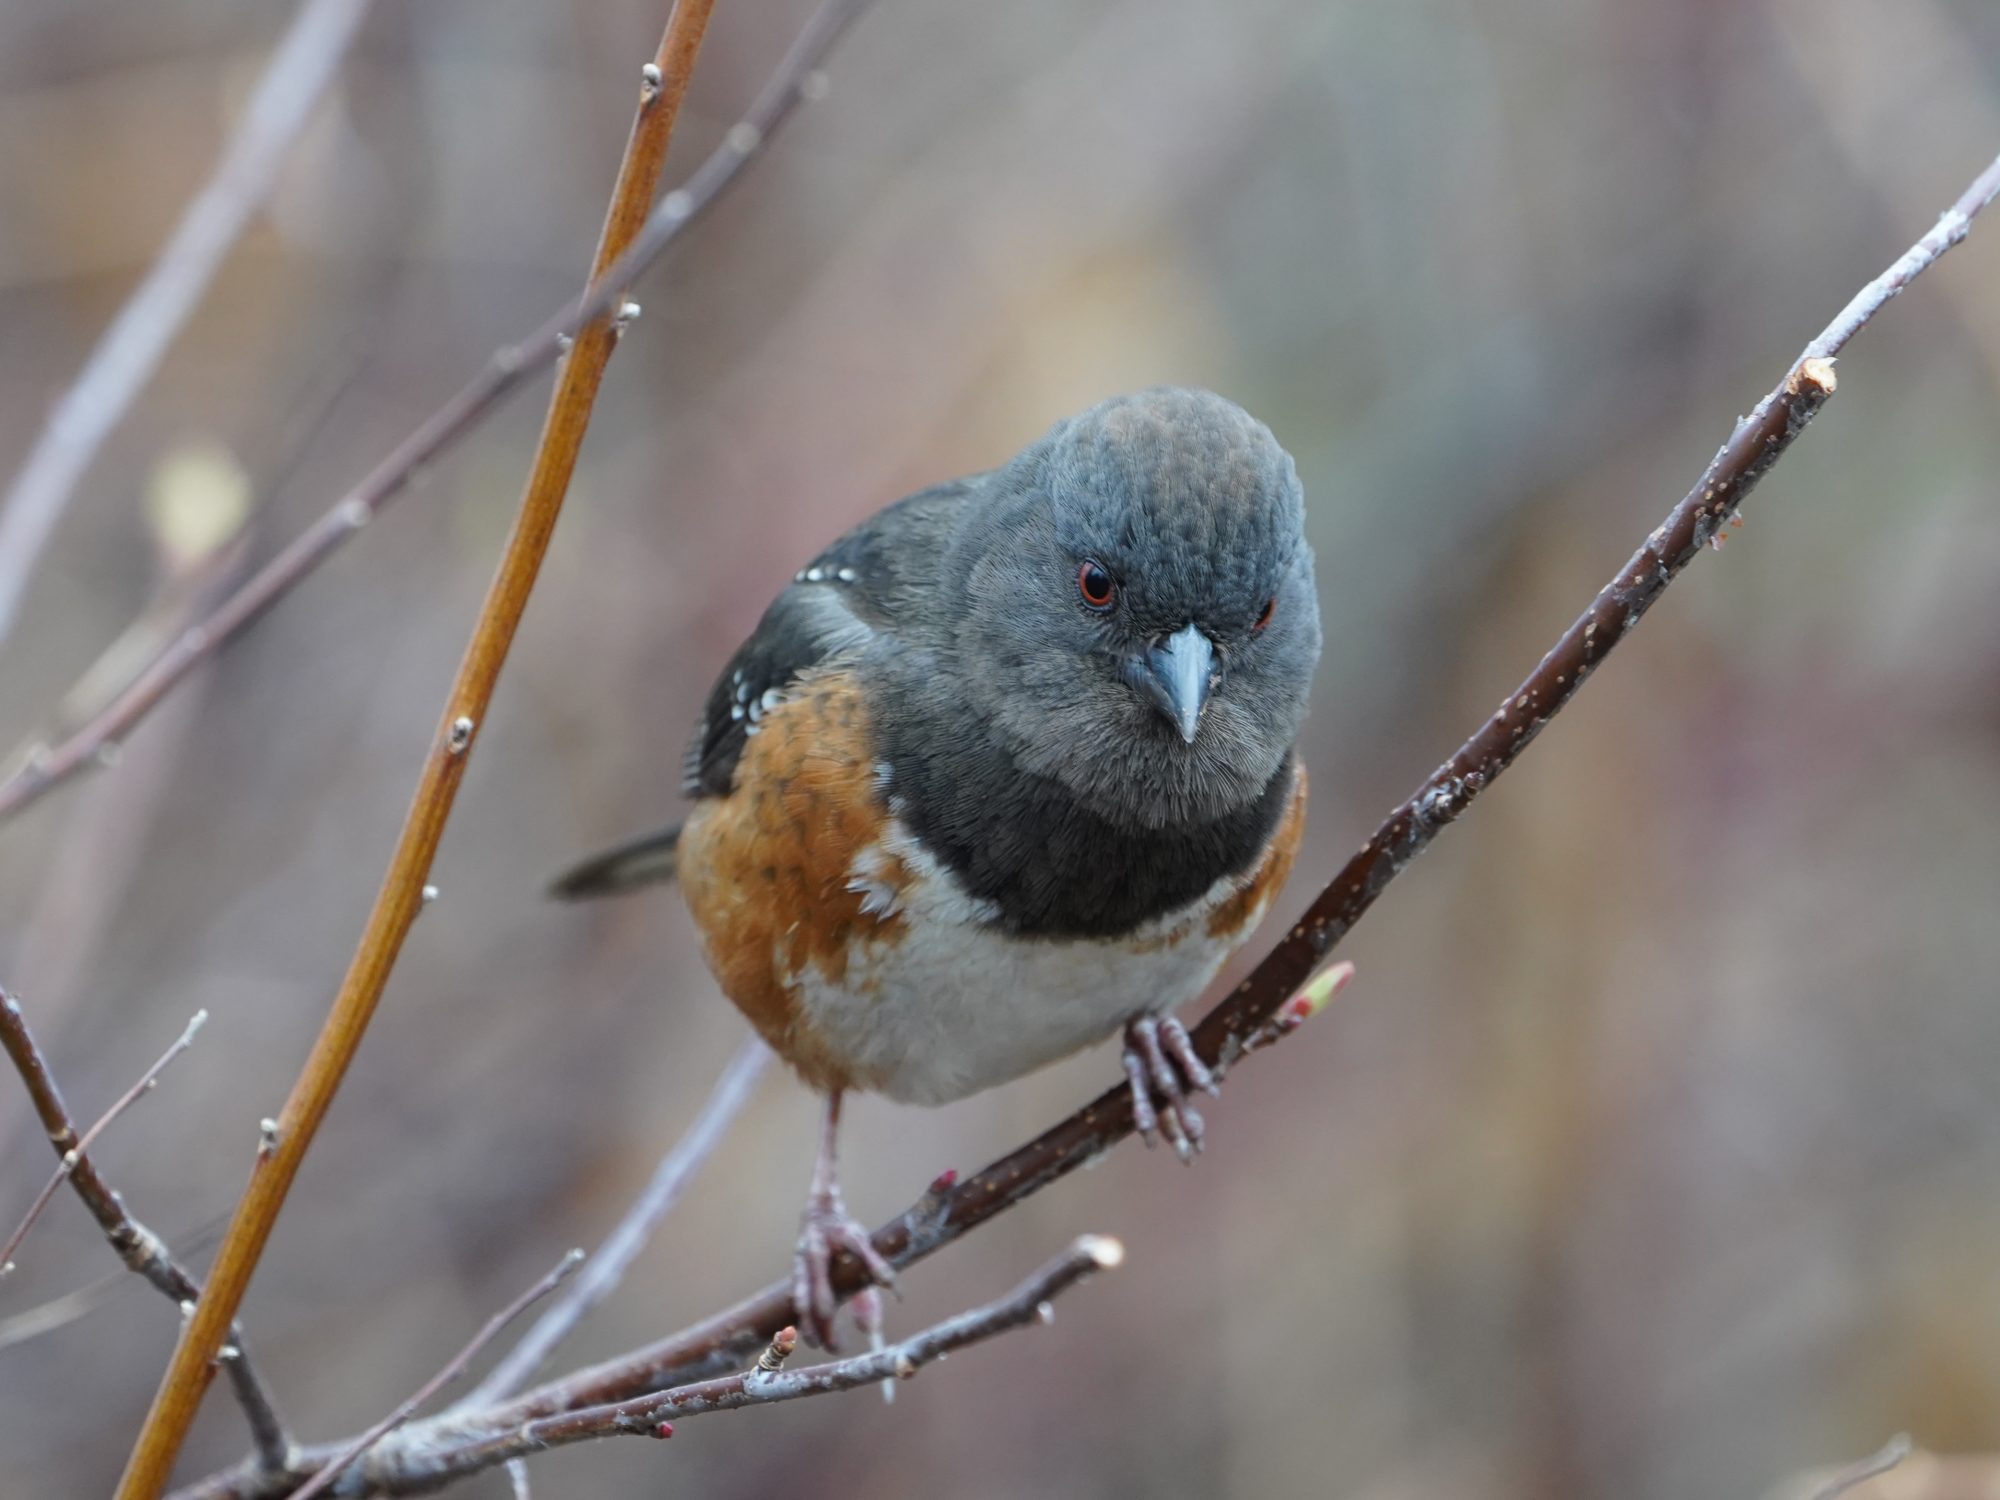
point(1140, 621)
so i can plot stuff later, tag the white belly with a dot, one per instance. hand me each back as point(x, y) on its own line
point(965, 1006)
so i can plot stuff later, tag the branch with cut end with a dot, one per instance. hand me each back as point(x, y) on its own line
point(424, 1456)
point(797, 79)
point(663, 88)
point(299, 72)
point(143, 1252)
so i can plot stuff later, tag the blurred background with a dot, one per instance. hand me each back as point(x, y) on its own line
point(1654, 1154)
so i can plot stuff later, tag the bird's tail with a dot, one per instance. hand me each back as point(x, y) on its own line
point(622, 867)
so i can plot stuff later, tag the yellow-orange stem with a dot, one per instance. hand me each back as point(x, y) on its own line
point(401, 895)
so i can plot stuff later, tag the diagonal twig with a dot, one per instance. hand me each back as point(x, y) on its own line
point(614, 1257)
point(663, 87)
point(72, 1157)
point(132, 347)
point(143, 1252)
point(796, 79)
point(324, 1480)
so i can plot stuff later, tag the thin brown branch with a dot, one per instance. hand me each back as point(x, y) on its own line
point(767, 1381)
point(796, 79)
point(299, 72)
point(75, 1154)
point(321, 1482)
point(607, 1267)
point(423, 1457)
point(662, 90)
point(143, 1252)
point(1246, 1016)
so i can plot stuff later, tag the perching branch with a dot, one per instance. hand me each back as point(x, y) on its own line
point(324, 1480)
point(621, 1247)
point(132, 347)
point(423, 1457)
point(663, 87)
point(142, 1251)
point(796, 79)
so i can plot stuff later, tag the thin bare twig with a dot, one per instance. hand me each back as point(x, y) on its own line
point(424, 1456)
point(796, 79)
point(74, 1154)
point(132, 347)
point(143, 1252)
point(1861, 1471)
point(768, 1381)
point(321, 1482)
point(663, 87)
point(614, 1257)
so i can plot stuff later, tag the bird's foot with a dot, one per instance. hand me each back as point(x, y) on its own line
point(826, 1229)
point(1162, 1069)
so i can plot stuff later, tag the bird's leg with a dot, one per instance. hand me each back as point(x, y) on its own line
point(825, 1230)
point(1162, 1068)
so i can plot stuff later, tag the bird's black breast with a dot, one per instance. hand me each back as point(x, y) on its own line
point(1049, 866)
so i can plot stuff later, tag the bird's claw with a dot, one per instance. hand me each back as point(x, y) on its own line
point(1162, 1069)
point(825, 1231)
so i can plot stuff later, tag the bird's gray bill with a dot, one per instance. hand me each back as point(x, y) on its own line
point(1176, 676)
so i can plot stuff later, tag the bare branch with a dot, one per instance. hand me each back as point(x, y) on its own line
point(663, 88)
point(74, 1154)
point(142, 1251)
point(614, 1257)
point(796, 79)
point(454, 1367)
point(424, 1456)
point(132, 347)
point(768, 1381)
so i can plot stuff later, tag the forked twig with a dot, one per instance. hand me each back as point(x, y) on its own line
point(143, 1252)
point(72, 1157)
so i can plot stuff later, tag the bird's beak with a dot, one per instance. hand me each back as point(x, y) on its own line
point(1175, 676)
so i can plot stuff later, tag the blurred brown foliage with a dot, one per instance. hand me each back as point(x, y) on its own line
point(1652, 1155)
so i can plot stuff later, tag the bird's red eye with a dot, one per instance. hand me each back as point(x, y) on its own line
point(1095, 585)
point(1270, 608)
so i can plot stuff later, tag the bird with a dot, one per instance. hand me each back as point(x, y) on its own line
point(1007, 769)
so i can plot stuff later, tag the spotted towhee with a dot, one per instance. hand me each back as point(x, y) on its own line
point(1006, 768)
